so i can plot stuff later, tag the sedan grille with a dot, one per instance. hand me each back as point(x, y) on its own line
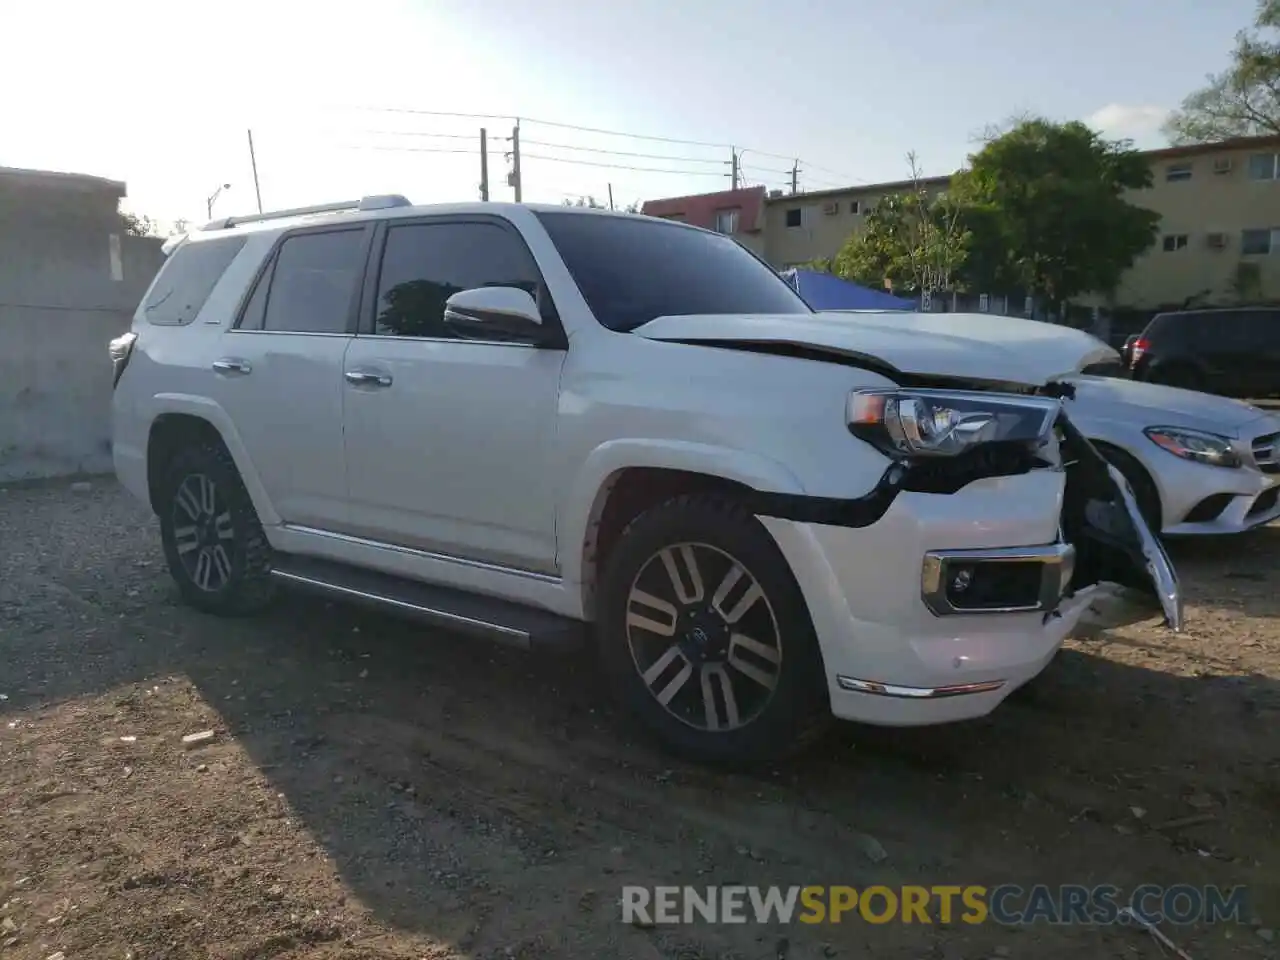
point(1266, 453)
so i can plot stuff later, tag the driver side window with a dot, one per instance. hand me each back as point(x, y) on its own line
point(423, 264)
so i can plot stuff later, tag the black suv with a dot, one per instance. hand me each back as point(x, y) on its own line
point(1234, 352)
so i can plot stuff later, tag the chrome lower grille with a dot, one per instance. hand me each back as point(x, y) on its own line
point(1266, 453)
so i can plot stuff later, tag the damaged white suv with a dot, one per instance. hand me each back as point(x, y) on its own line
point(518, 421)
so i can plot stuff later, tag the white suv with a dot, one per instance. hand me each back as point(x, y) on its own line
point(520, 420)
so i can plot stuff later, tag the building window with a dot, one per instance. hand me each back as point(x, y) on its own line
point(793, 217)
point(1259, 242)
point(727, 221)
point(1177, 172)
point(1262, 166)
point(855, 207)
point(1174, 241)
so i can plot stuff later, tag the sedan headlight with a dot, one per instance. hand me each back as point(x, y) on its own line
point(941, 423)
point(1194, 445)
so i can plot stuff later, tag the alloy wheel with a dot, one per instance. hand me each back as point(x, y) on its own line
point(703, 637)
point(203, 533)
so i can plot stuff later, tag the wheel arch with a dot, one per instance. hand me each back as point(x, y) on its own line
point(178, 420)
point(1126, 455)
point(621, 479)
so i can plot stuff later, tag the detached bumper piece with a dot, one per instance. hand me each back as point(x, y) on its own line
point(1001, 580)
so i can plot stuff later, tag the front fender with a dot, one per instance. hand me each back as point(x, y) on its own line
point(584, 500)
point(213, 413)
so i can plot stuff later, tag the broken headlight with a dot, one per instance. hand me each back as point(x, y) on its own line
point(911, 424)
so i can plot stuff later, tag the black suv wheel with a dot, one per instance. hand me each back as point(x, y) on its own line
point(213, 542)
point(706, 638)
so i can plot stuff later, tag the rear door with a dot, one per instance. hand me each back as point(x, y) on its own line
point(278, 372)
point(1263, 333)
point(1228, 343)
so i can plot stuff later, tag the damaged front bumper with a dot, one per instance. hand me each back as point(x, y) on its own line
point(1113, 544)
point(901, 647)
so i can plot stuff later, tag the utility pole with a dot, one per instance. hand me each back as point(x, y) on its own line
point(513, 178)
point(253, 160)
point(735, 172)
point(795, 177)
point(484, 164)
point(611, 196)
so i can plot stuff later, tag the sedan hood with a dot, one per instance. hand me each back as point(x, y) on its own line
point(971, 346)
point(1160, 406)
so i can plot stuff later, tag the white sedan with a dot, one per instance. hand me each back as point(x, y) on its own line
point(1197, 463)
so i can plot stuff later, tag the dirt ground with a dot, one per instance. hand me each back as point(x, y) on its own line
point(373, 792)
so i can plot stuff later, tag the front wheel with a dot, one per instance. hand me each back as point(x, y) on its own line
point(1144, 488)
point(705, 636)
point(213, 542)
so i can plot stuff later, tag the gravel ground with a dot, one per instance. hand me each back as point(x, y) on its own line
point(368, 791)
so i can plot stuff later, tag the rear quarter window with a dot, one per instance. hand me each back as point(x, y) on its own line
point(187, 278)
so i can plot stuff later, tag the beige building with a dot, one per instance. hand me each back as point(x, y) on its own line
point(1219, 232)
point(1219, 229)
point(801, 227)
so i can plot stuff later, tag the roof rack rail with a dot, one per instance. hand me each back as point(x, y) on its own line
point(381, 201)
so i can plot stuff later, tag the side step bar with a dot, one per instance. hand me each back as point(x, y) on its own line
point(446, 607)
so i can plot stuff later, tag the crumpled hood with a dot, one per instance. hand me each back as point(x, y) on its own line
point(962, 345)
point(1108, 398)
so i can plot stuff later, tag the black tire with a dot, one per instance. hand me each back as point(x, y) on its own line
point(237, 582)
point(784, 718)
point(1144, 488)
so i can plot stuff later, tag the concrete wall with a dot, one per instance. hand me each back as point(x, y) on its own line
point(61, 301)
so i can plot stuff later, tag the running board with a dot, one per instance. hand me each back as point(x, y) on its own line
point(446, 607)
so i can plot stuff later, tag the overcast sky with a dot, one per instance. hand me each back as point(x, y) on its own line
point(160, 94)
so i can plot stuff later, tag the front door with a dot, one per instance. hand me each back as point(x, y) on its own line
point(447, 438)
point(278, 372)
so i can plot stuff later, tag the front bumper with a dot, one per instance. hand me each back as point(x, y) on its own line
point(1202, 500)
point(1199, 499)
point(891, 660)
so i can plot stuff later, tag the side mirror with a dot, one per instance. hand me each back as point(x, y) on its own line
point(501, 310)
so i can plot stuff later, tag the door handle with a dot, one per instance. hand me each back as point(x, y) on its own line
point(228, 365)
point(367, 378)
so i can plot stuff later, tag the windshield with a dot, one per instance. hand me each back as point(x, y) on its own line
point(632, 270)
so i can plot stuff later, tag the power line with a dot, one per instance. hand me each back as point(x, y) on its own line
point(625, 153)
point(417, 133)
point(438, 113)
point(620, 133)
point(370, 146)
point(620, 166)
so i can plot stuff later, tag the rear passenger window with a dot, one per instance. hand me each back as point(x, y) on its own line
point(187, 278)
point(255, 311)
point(313, 282)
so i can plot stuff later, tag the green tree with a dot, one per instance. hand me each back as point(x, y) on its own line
point(1045, 211)
point(915, 240)
point(136, 225)
point(589, 201)
point(1243, 100)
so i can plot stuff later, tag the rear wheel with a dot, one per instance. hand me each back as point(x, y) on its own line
point(213, 542)
point(705, 636)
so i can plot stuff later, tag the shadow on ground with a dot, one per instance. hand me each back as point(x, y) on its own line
point(490, 799)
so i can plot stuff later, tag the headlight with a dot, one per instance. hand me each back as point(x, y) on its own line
point(1194, 445)
point(943, 423)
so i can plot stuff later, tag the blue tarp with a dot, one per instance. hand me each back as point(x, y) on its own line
point(822, 291)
